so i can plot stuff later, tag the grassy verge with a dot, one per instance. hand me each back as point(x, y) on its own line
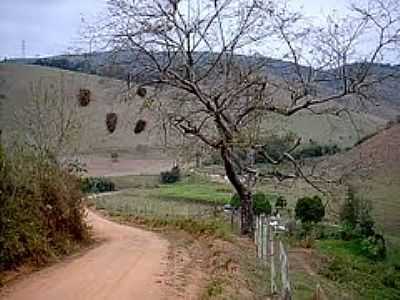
point(367, 279)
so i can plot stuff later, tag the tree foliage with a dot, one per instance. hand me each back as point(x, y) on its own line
point(261, 204)
point(310, 209)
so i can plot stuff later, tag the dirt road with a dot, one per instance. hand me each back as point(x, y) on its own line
point(129, 264)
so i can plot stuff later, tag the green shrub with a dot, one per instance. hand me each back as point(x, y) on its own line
point(172, 176)
point(391, 279)
point(41, 210)
point(310, 210)
point(374, 247)
point(261, 204)
point(95, 185)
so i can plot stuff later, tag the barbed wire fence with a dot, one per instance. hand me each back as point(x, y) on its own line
point(271, 250)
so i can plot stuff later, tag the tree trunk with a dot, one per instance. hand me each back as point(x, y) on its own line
point(246, 211)
point(246, 214)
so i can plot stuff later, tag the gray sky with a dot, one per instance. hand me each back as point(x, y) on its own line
point(50, 27)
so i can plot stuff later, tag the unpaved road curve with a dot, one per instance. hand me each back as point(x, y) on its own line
point(129, 264)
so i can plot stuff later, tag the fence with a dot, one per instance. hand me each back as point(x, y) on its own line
point(267, 248)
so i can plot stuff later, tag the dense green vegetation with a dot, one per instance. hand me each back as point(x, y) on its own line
point(310, 209)
point(95, 185)
point(365, 278)
point(41, 210)
point(354, 255)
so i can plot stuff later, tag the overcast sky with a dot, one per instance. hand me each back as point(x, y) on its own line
point(51, 27)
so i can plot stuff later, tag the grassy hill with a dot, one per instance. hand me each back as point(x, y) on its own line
point(108, 96)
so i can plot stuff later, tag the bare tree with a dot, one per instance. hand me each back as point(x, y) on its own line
point(50, 122)
point(208, 68)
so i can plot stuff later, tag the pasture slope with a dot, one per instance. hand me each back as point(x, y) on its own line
point(109, 95)
point(373, 169)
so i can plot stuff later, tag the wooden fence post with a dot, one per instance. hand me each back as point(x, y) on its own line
point(265, 239)
point(286, 291)
point(272, 253)
point(259, 245)
point(256, 231)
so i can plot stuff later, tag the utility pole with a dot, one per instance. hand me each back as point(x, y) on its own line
point(23, 49)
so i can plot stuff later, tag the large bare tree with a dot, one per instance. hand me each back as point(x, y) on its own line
point(207, 70)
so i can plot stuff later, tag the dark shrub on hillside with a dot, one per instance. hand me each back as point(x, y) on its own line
point(84, 97)
point(171, 176)
point(310, 209)
point(111, 122)
point(141, 91)
point(140, 126)
point(41, 210)
point(95, 185)
point(315, 150)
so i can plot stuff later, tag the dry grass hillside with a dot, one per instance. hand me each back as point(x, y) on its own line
point(373, 169)
point(108, 96)
point(95, 143)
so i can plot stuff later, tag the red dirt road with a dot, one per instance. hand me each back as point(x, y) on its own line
point(129, 264)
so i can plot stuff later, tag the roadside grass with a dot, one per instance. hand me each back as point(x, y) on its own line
point(365, 278)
